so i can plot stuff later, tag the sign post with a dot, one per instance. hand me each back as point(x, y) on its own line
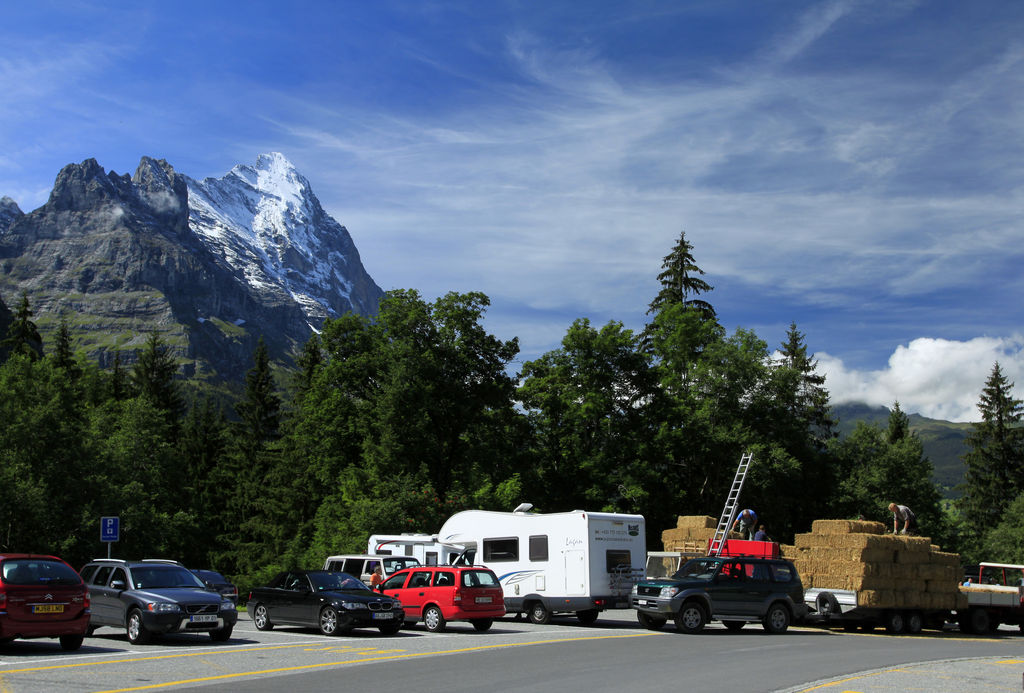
point(110, 531)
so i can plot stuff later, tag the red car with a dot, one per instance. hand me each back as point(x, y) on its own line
point(438, 594)
point(42, 597)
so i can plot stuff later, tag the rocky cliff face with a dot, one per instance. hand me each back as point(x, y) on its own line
point(119, 257)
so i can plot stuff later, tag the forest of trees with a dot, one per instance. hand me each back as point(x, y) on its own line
point(395, 422)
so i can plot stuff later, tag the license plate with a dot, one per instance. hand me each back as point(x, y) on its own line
point(483, 600)
point(203, 618)
point(382, 616)
point(48, 608)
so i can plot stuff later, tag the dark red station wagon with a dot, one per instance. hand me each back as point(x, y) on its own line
point(438, 594)
point(42, 597)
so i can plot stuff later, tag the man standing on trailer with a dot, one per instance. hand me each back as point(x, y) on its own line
point(746, 521)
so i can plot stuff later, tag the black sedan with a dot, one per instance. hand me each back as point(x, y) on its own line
point(333, 602)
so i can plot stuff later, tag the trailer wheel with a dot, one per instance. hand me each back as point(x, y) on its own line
point(914, 621)
point(978, 621)
point(894, 623)
point(539, 613)
point(650, 622)
point(588, 616)
point(691, 618)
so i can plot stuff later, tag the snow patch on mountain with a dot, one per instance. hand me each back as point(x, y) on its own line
point(265, 223)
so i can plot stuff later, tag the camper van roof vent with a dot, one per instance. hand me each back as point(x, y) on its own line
point(523, 508)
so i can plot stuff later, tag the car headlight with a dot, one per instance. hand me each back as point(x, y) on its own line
point(636, 587)
point(162, 607)
point(228, 605)
point(351, 606)
point(669, 592)
point(396, 605)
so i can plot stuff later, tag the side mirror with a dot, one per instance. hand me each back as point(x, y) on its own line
point(117, 585)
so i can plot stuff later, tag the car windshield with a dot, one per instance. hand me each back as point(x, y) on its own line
point(154, 577)
point(211, 576)
point(335, 581)
point(38, 572)
point(697, 569)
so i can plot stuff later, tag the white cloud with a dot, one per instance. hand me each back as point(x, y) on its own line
point(937, 378)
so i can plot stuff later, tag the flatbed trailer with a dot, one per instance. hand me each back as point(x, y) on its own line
point(996, 598)
point(829, 607)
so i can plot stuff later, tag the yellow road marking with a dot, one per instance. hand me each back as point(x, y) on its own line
point(852, 678)
point(279, 670)
point(152, 658)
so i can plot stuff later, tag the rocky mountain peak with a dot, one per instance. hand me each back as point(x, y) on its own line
point(9, 212)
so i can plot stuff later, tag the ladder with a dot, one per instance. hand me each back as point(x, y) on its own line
point(731, 502)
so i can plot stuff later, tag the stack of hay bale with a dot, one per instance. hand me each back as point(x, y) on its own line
point(691, 534)
point(886, 571)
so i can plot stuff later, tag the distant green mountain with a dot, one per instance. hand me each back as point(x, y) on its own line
point(943, 441)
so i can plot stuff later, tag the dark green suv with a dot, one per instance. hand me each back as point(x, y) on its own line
point(733, 590)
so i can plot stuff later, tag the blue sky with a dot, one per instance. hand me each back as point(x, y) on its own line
point(855, 167)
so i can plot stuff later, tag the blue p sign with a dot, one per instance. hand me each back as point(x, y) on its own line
point(110, 528)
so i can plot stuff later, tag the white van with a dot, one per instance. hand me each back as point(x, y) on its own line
point(362, 565)
point(575, 562)
point(424, 547)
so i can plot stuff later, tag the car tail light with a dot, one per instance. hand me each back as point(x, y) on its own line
point(457, 597)
point(85, 600)
point(599, 602)
point(3, 598)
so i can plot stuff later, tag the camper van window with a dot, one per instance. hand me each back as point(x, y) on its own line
point(539, 548)
point(617, 560)
point(496, 550)
point(431, 557)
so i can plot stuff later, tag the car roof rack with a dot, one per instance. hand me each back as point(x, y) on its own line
point(168, 561)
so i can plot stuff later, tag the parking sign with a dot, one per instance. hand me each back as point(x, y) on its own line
point(110, 528)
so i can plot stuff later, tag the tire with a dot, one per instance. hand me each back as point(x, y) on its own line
point(328, 621)
point(894, 622)
point(978, 621)
point(89, 631)
point(691, 618)
point(433, 619)
point(221, 634)
point(587, 617)
point(650, 622)
point(914, 621)
point(261, 617)
point(70, 643)
point(482, 624)
point(539, 613)
point(827, 605)
point(390, 628)
point(734, 626)
point(777, 619)
point(137, 633)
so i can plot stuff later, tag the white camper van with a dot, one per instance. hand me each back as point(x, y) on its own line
point(577, 561)
point(425, 547)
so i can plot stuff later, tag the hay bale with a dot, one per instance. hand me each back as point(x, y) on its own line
point(913, 544)
point(846, 527)
point(696, 522)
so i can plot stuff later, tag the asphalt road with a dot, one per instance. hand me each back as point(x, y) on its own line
point(613, 655)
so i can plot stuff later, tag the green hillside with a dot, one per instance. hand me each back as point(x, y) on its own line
point(943, 441)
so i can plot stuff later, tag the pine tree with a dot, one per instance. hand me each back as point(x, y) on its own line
point(995, 456)
point(63, 354)
point(260, 410)
point(153, 377)
point(23, 335)
point(681, 282)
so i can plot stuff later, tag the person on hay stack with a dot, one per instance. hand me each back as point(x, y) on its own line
point(903, 514)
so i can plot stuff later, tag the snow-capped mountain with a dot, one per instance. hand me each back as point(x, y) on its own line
point(266, 224)
point(211, 266)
